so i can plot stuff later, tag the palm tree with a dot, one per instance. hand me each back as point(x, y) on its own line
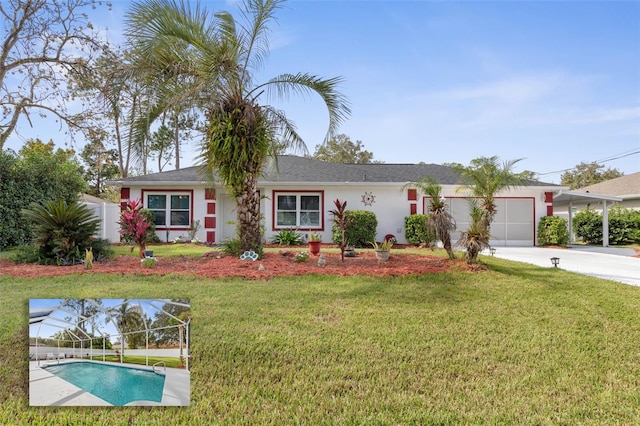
point(211, 63)
point(483, 179)
point(440, 219)
point(477, 236)
point(127, 319)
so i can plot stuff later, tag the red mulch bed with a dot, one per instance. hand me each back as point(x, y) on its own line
point(215, 264)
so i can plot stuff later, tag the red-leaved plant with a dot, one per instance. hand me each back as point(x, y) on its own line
point(340, 218)
point(134, 224)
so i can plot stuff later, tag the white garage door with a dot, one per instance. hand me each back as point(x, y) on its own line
point(513, 224)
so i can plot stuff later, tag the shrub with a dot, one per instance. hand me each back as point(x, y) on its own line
point(287, 237)
point(303, 256)
point(26, 253)
point(233, 247)
point(62, 231)
point(360, 228)
point(417, 230)
point(624, 226)
point(587, 225)
point(552, 230)
point(102, 250)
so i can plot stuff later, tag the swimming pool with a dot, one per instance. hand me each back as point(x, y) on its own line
point(115, 384)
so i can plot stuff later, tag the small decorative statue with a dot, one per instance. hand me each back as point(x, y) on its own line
point(322, 261)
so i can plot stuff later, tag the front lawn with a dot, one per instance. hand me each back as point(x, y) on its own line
point(518, 344)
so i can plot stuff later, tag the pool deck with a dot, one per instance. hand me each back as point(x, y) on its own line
point(46, 389)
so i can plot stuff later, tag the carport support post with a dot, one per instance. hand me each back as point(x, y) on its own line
point(570, 222)
point(605, 224)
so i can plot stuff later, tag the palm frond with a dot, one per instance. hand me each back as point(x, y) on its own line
point(303, 84)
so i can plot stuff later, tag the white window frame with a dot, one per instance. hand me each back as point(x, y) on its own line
point(168, 209)
point(299, 212)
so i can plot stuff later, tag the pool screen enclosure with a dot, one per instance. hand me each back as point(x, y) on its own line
point(83, 327)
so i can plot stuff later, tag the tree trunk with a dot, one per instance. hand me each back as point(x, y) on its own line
point(176, 138)
point(248, 202)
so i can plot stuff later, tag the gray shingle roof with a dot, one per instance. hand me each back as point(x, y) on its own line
point(624, 185)
point(291, 168)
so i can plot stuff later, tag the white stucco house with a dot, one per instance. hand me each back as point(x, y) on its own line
point(300, 191)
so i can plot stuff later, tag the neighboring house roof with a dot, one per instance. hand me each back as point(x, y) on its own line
point(626, 187)
point(295, 169)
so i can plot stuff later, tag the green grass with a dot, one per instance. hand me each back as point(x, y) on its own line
point(165, 250)
point(517, 344)
point(142, 360)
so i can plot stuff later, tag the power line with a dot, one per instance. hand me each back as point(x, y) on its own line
point(615, 157)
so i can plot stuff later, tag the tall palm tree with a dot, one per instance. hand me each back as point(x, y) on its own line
point(189, 57)
point(483, 179)
point(440, 219)
point(126, 318)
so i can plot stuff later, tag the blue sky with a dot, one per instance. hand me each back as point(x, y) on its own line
point(553, 82)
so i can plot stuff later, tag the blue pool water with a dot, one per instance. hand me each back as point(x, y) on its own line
point(116, 385)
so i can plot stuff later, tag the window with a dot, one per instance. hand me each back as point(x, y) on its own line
point(298, 211)
point(173, 209)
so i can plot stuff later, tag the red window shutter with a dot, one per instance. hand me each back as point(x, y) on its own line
point(210, 222)
point(412, 195)
point(549, 210)
point(211, 236)
point(210, 194)
point(548, 197)
point(414, 208)
point(211, 208)
point(125, 193)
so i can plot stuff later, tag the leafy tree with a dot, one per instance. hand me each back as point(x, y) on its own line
point(101, 165)
point(440, 219)
point(66, 338)
point(113, 116)
point(161, 319)
point(184, 55)
point(340, 149)
point(36, 174)
point(84, 309)
point(585, 174)
point(43, 41)
point(483, 179)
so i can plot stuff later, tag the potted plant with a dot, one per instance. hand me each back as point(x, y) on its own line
point(315, 239)
point(382, 249)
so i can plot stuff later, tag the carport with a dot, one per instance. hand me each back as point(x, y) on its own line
point(567, 198)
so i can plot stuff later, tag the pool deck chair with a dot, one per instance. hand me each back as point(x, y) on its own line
point(61, 355)
point(50, 356)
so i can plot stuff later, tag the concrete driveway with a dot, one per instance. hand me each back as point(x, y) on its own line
point(616, 264)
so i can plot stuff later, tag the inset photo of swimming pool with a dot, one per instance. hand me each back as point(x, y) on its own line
point(109, 352)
